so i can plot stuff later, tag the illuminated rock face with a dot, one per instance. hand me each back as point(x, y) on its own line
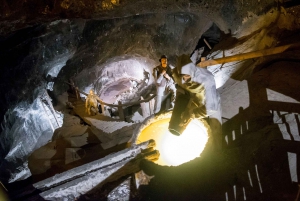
point(259, 99)
point(102, 55)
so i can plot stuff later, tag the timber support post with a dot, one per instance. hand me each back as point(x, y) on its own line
point(121, 111)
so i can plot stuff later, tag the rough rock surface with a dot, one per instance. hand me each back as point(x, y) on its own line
point(43, 44)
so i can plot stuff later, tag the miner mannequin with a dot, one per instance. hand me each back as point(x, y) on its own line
point(164, 83)
point(91, 101)
point(196, 87)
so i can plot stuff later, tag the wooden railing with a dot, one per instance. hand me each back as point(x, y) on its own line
point(147, 104)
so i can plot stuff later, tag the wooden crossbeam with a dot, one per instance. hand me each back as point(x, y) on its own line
point(249, 55)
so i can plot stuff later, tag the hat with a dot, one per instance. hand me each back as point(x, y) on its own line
point(163, 57)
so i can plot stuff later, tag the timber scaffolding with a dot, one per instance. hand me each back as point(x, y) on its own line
point(147, 105)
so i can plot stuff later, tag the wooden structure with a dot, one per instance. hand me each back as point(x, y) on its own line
point(148, 102)
point(249, 55)
point(83, 179)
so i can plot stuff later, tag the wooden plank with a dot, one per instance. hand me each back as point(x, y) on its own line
point(249, 55)
point(78, 172)
point(121, 111)
point(98, 178)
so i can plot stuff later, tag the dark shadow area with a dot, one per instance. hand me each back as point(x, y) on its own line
point(290, 3)
point(81, 155)
point(208, 40)
point(253, 163)
point(23, 191)
point(254, 131)
point(13, 51)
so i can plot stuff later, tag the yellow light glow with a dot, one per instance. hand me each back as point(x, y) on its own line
point(176, 150)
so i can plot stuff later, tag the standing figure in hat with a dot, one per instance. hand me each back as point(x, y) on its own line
point(165, 85)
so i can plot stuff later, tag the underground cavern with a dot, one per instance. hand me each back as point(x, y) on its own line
point(52, 53)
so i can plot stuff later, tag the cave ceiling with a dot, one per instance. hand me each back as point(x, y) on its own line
point(16, 14)
point(38, 39)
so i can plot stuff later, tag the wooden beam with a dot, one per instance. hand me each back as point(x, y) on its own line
point(114, 158)
point(108, 172)
point(249, 55)
point(121, 111)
